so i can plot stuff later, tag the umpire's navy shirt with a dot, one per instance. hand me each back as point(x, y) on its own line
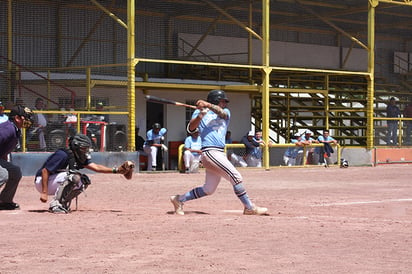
point(9, 137)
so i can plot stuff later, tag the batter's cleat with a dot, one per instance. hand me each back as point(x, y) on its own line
point(177, 204)
point(255, 210)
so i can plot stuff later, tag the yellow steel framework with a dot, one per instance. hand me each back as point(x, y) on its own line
point(266, 70)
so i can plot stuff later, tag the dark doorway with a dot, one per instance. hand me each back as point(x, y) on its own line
point(154, 114)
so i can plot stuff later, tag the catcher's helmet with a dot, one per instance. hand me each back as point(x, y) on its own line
point(80, 145)
point(22, 111)
point(215, 96)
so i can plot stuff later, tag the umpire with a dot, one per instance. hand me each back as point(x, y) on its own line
point(10, 175)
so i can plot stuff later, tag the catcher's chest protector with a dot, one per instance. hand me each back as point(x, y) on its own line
point(73, 164)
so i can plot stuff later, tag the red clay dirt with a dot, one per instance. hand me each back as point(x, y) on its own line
point(323, 220)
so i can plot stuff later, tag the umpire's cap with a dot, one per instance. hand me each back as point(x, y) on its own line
point(215, 96)
point(22, 111)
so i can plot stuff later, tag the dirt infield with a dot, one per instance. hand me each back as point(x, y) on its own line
point(355, 220)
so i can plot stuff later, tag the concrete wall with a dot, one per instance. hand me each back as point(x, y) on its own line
point(281, 53)
point(30, 162)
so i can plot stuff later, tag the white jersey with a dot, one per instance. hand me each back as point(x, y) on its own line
point(213, 128)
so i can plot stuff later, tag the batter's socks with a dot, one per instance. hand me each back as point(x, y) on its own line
point(195, 193)
point(240, 192)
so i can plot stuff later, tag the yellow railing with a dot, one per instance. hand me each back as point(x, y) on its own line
point(306, 149)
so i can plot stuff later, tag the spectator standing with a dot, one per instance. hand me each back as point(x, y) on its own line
point(10, 175)
point(192, 152)
point(94, 130)
point(102, 116)
point(252, 142)
point(392, 111)
point(407, 113)
point(234, 158)
point(3, 116)
point(291, 154)
point(154, 142)
point(307, 140)
point(40, 124)
point(325, 151)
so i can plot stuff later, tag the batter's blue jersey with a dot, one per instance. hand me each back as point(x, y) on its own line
point(213, 128)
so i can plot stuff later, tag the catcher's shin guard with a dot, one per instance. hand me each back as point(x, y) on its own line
point(74, 184)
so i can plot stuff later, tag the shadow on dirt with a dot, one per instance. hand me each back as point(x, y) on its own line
point(190, 212)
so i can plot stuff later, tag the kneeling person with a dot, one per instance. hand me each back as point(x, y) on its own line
point(59, 174)
point(193, 152)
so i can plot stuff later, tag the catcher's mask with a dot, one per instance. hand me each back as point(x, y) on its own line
point(215, 96)
point(80, 145)
point(344, 163)
point(23, 112)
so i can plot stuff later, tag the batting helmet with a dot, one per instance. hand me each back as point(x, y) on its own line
point(215, 96)
point(156, 126)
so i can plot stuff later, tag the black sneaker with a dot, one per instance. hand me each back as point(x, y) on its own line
point(9, 206)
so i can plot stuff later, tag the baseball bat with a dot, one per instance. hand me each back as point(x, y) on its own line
point(154, 99)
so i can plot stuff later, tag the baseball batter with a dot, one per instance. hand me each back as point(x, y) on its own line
point(212, 120)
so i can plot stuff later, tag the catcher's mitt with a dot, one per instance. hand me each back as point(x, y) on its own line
point(127, 169)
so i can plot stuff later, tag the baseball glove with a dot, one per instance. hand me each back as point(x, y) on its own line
point(127, 169)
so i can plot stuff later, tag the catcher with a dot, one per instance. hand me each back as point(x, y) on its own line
point(59, 175)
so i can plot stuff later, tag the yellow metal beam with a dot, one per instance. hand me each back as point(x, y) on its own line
point(265, 81)
point(398, 2)
point(117, 19)
point(298, 90)
point(371, 70)
point(291, 69)
point(131, 74)
point(222, 11)
point(329, 22)
point(10, 47)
